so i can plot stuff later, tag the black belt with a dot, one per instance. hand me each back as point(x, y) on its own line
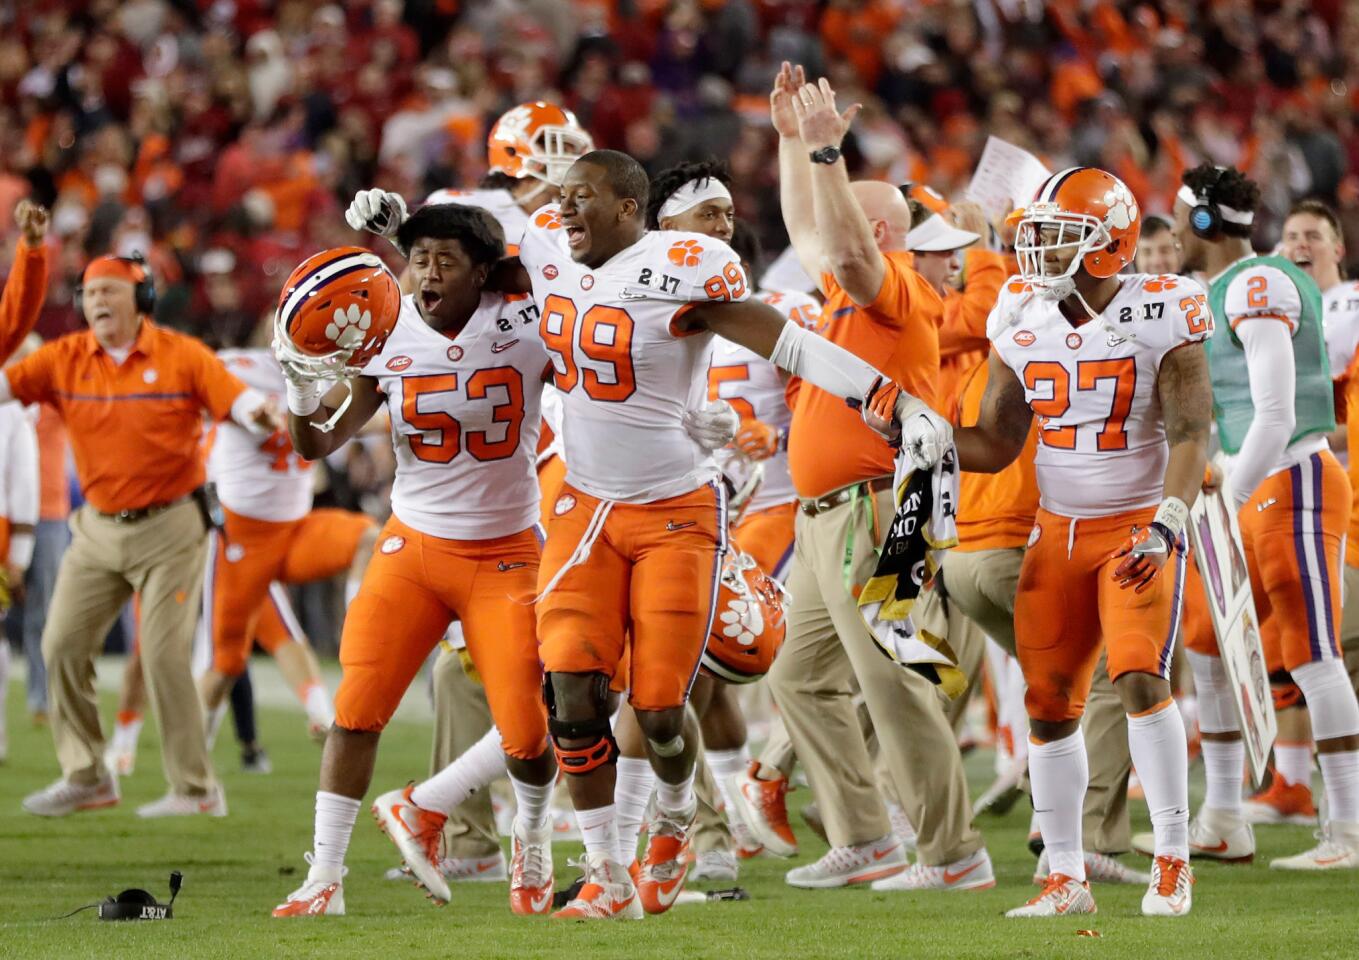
point(141, 513)
point(837, 497)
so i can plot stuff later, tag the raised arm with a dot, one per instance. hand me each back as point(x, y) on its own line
point(312, 443)
point(26, 287)
point(795, 173)
point(1002, 427)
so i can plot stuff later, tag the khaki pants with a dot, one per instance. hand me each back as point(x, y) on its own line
point(982, 584)
point(1349, 623)
point(162, 559)
point(827, 648)
point(461, 718)
point(937, 614)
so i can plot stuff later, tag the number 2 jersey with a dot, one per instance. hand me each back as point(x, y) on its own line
point(1102, 441)
point(625, 370)
point(465, 413)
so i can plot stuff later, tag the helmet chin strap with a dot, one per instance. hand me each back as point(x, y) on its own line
point(334, 418)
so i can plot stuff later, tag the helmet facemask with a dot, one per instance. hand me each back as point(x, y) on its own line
point(1045, 229)
point(554, 149)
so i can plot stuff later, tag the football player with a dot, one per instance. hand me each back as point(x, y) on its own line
point(1114, 369)
point(462, 396)
point(1272, 395)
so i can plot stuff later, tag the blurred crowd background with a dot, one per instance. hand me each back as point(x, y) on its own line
point(223, 138)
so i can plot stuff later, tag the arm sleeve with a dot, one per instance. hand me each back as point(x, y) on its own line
point(1269, 361)
point(25, 291)
point(822, 363)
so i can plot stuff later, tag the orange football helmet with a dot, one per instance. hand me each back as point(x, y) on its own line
point(1087, 211)
point(336, 311)
point(748, 626)
point(537, 139)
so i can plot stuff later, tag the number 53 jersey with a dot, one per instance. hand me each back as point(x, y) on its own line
point(626, 369)
point(465, 413)
point(1102, 441)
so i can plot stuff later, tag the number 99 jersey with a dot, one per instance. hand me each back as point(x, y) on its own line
point(1102, 441)
point(465, 414)
point(625, 368)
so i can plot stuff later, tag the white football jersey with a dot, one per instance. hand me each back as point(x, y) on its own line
point(465, 414)
point(1102, 441)
point(1341, 321)
point(258, 477)
point(625, 374)
point(498, 203)
point(755, 387)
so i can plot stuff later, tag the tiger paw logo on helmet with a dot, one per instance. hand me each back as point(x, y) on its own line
point(1122, 206)
point(686, 253)
point(349, 326)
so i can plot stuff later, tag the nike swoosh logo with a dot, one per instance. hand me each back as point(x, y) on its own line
point(483, 867)
point(502, 347)
point(539, 905)
point(1328, 861)
point(879, 854)
point(671, 525)
point(503, 566)
point(1220, 848)
point(950, 877)
point(667, 897)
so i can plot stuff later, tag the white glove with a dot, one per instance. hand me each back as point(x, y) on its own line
point(924, 434)
point(303, 389)
point(377, 211)
point(712, 425)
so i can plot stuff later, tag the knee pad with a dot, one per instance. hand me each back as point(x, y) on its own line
point(1217, 709)
point(668, 748)
point(1330, 699)
point(600, 746)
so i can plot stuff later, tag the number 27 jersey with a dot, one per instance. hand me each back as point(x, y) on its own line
point(625, 369)
point(1093, 388)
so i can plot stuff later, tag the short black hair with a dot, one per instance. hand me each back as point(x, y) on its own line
point(627, 177)
point(1226, 187)
point(1155, 225)
point(665, 184)
point(479, 233)
point(746, 243)
point(919, 212)
point(1322, 210)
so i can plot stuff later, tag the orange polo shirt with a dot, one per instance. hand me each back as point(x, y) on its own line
point(995, 510)
point(54, 494)
point(829, 445)
point(134, 427)
point(25, 291)
point(962, 338)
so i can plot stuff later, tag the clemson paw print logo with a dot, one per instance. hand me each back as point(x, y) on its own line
point(1122, 206)
point(686, 253)
point(548, 220)
point(1160, 284)
point(349, 326)
point(742, 621)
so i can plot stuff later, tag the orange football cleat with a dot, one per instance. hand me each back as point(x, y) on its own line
point(1281, 802)
point(667, 859)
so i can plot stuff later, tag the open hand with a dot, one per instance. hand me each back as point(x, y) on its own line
point(820, 124)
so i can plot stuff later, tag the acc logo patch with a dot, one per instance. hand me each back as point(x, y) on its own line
point(455, 353)
point(564, 504)
point(1073, 340)
point(587, 281)
point(397, 364)
point(150, 376)
point(550, 271)
point(392, 544)
point(1034, 534)
point(1025, 338)
point(234, 552)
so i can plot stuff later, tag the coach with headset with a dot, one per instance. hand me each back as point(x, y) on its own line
point(132, 396)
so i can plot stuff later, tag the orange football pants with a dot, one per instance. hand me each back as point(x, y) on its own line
point(414, 587)
point(648, 586)
point(768, 537)
point(1068, 606)
point(254, 553)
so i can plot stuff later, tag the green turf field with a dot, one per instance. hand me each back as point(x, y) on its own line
point(236, 869)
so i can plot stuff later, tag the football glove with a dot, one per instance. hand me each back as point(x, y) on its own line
point(712, 425)
point(907, 422)
point(1144, 553)
point(377, 211)
point(757, 439)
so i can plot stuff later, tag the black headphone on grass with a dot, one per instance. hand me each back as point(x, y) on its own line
point(143, 293)
point(136, 904)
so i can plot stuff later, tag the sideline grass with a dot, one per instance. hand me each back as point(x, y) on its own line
point(236, 869)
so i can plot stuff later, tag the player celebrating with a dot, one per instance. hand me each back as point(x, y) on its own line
point(1113, 368)
point(1272, 396)
point(463, 401)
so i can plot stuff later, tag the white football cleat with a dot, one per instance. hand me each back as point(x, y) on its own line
point(1061, 896)
point(714, 865)
point(1171, 891)
point(62, 797)
point(1099, 868)
point(608, 892)
point(531, 874)
point(418, 835)
point(1338, 850)
point(322, 895)
point(970, 873)
point(846, 866)
point(492, 869)
point(1213, 835)
point(213, 804)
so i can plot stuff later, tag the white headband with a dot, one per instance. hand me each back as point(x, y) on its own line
point(1242, 218)
point(691, 195)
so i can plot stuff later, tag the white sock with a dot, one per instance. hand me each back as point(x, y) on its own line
point(675, 797)
point(316, 701)
point(631, 794)
point(479, 765)
point(214, 718)
point(1161, 755)
point(1293, 762)
point(1223, 761)
point(533, 800)
point(1340, 773)
point(126, 734)
point(335, 816)
point(599, 830)
point(1060, 772)
point(723, 764)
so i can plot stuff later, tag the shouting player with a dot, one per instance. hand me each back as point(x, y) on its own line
point(1113, 368)
point(462, 395)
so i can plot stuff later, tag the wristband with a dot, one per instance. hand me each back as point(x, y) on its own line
point(21, 550)
point(1173, 515)
point(304, 399)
